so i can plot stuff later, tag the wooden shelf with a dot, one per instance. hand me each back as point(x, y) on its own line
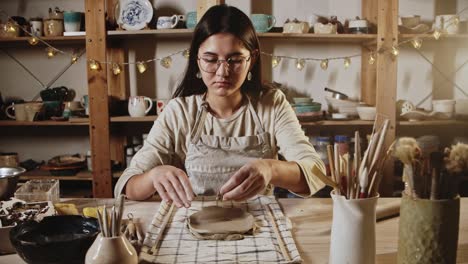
point(187, 33)
point(72, 122)
point(434, 123)
point(13, 42)
point(83, 175)
point(431, 37)
point(337, 123)
point(128, 119)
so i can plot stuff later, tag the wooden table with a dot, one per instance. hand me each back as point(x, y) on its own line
point(311, 219)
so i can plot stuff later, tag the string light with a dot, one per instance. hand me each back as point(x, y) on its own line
point(436, 34)
point(51, 52)
point(275, 61)
point(324, 64)
point(166, 62)
point(33, 40)
point(395, 51)
point(141, 66)
point(300, 64)
point(94, 65)
point(186, 53)
point(347, 63)
point(74, 58)
point(417, 43)
point(11, 28)
point(371, 59)
point(116, 69)
point(456, 21)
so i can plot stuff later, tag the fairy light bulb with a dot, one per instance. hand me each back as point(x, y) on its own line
point(33, 40)
point(186, 54)
point(347, 63)
point(436, 34)
point(275, 60)
point(11, 28)
point(166, 62)
point(94, 65)
point(371, 59)
point(456, 21)
point(116, 69)
point(324, 64)
point(300, 64)
point(395, 51)
point(50, 52)
point(417, 43)
point(141, 66)
point(74, 59)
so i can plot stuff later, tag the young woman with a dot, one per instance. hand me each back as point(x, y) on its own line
point(223, 131)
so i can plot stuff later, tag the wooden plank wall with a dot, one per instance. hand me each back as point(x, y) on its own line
point(368, 71)
point(99, 102)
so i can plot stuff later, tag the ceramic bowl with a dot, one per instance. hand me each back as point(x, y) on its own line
point(316, 107)
point(55, 239)
point(334, 105)
point(366, 112)
point(415, 115)
point(302, 100)
point(443, 106)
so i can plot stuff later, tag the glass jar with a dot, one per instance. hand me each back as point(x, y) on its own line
point(321, 144)
point(342, 141)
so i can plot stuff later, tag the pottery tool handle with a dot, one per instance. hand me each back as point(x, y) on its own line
point(168, 208)
point(281, 244)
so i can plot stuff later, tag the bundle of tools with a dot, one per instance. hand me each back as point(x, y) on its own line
point(432, 175)
point(353, 175)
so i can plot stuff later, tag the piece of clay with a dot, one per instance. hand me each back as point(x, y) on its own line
point(219, 223)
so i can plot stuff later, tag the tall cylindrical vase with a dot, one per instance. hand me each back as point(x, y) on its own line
point(111, 250)
point(428, 230)
point(353, 230)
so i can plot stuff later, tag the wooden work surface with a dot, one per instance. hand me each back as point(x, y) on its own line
point(311, 219)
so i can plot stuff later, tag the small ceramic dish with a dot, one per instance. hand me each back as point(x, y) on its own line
point(133, 14)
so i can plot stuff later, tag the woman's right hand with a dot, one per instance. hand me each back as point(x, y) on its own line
point(172, 184)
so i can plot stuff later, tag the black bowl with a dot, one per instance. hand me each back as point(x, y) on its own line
point(55, 239)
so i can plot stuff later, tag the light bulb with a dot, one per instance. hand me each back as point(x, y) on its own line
point(186, 54)
point(395, 51)
point(417, 43)
point(347, 63)
point(50, 52)
point(74, 59)
point(116, 69)
point(300, 64)
point(166, 62)
point(456, 21)
point(141, 66)
point(371, 59)
point(94, 65)
point(11, 28)
point(324, 64)
point(436, 34)
point(33, 40)
point(275, 61)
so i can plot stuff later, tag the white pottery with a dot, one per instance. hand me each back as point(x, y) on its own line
point(111, 250)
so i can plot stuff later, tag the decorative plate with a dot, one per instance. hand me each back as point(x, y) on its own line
point(133, 14)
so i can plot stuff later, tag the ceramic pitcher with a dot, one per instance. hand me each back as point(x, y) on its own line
point(111, 250)
point(139, 106)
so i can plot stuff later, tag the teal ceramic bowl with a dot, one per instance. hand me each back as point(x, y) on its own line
point(302, 100)
point(313, 107)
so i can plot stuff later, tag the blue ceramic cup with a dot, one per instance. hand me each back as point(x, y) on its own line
point(72, 21)
point(262, 22)
point(191, 20)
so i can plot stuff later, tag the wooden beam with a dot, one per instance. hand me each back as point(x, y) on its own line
point(98, 95)
point(368, 71)
point(203, 5)
point(387, 80)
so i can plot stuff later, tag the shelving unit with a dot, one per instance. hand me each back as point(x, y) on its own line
point(378, 82)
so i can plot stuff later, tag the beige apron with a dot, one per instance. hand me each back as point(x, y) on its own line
point(211, 160)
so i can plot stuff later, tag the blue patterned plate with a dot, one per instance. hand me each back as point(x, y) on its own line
point(133, 14)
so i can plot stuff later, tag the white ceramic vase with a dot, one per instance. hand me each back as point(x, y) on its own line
point(111, 250)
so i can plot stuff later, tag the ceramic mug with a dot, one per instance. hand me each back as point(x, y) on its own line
point(72, 21)
point(32, 110)
point(182, 20)
point(447, 23)
point(160, 104)
point(262, 22)
point(19, 114)
point(139, 106)
point(191, 20)
point(165, 22)
point(53, 27)
point(36, 27)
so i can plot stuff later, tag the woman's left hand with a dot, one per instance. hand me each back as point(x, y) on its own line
point(248, 181)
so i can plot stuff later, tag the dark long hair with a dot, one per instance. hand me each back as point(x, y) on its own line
point(222, 19)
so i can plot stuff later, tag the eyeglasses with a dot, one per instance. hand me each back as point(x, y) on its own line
point(236, 64)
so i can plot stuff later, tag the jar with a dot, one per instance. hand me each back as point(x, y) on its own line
point(321, 144)
point(53, 27)
point(342, 141)
point(128, 155)
point(89, 160)
point(358, 26)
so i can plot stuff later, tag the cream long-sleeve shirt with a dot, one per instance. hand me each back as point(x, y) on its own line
point(168, 140)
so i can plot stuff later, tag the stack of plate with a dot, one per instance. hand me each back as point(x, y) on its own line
point(346, 107)
point(306, 108)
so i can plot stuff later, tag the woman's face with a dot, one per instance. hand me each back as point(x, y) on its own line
point(224, 63)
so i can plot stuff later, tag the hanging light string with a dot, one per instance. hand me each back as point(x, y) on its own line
point(166, 61)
